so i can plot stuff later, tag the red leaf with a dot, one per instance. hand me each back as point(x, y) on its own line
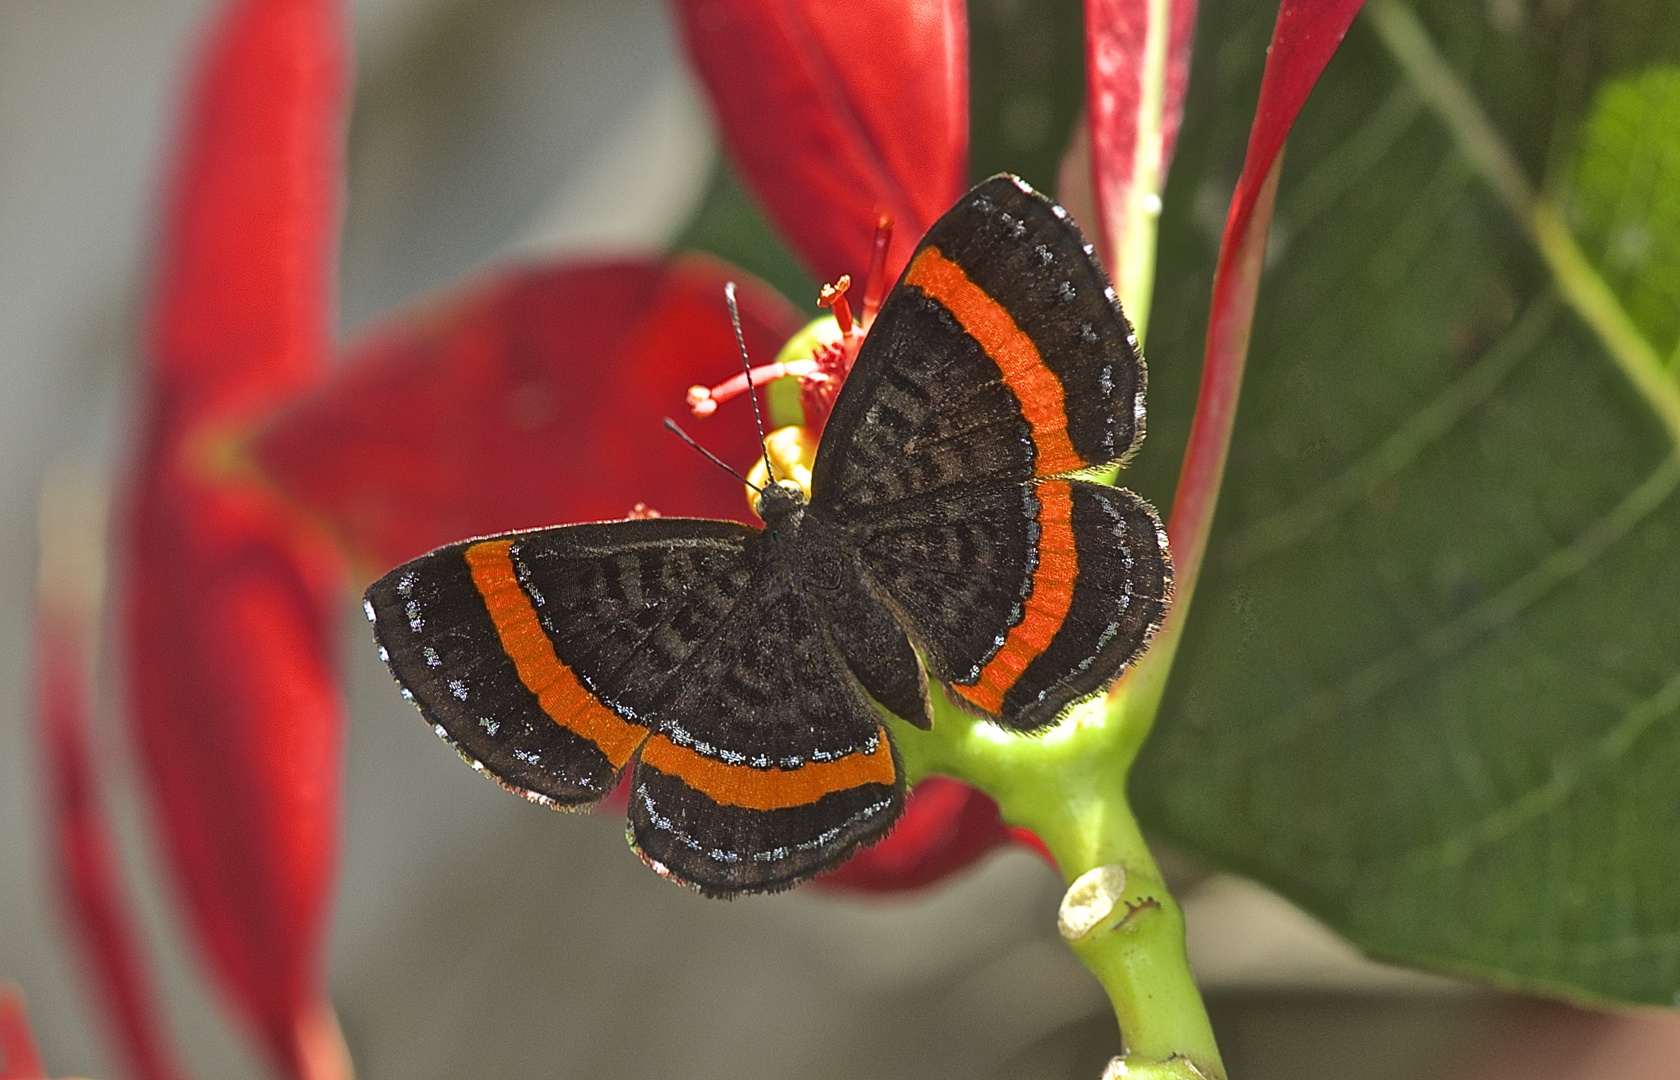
point(532, 399)
point(1306, 36)
point(230, 600)
point(20, 1058)
point(946, 826)
point(838, 113)
point(97, 905)
point(1117, 70)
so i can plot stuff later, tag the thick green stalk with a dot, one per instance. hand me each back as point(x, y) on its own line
point(1069, 787)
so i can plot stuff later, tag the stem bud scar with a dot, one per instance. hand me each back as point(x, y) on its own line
point(1089, 900)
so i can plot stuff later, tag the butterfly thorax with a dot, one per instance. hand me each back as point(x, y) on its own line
point(802, 548)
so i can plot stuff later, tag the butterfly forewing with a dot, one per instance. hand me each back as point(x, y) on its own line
point(536, 653)
point(554, 658)
point(999, 364)
point(1003, 245)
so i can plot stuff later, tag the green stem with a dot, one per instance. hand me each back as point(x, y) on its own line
point(1069, 787)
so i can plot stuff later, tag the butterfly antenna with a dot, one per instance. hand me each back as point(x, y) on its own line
point(671, 425)
point(746, 366)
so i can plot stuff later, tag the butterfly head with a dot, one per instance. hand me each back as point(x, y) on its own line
point(780, 503)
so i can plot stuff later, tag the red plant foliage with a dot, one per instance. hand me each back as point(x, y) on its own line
point(838, 113)
point(1116, 37)
point(230, 598)
point(20, 1058)
point(1305, 37)
point(531, 398)
point(99, 908)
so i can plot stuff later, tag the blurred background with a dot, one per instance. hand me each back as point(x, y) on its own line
point(478, 935)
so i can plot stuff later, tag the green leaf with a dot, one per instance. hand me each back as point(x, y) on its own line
point(1625, 200)
point(1431, 686)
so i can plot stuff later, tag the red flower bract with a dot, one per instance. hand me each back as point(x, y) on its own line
point(534, 397)
point(20, 1058)
point(1306, 35)
point(839, 113)
point(230, 597)
point(1117, 38)
point(96, 903)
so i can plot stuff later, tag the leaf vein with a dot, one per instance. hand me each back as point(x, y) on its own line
point(1435, 420)
point(1560, 566)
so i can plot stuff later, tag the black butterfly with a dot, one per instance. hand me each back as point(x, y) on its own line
point(733, 670)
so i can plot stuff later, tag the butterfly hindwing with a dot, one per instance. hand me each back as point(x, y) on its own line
point(1101, 580)
point(536, 653)
point(768, 763)
point(1000, 363)
point(957, 565)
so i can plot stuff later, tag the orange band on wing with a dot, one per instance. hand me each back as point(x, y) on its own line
point(558, 691)
point(1035, 386)
point(1045, 610)
point(770, 789)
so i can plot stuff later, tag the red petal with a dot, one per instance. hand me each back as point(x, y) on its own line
point(1306, 36)
point(946, 826)
point(534, 398)
point(1116, 36)
point(838, 113)
point(230, 601)
point(97, 904)
point(20, 1058)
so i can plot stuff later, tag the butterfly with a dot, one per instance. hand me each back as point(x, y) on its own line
point(736, 672)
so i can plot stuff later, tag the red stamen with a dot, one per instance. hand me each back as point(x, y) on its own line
point(703, 401)
point(834, 296)
point(875, 285)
